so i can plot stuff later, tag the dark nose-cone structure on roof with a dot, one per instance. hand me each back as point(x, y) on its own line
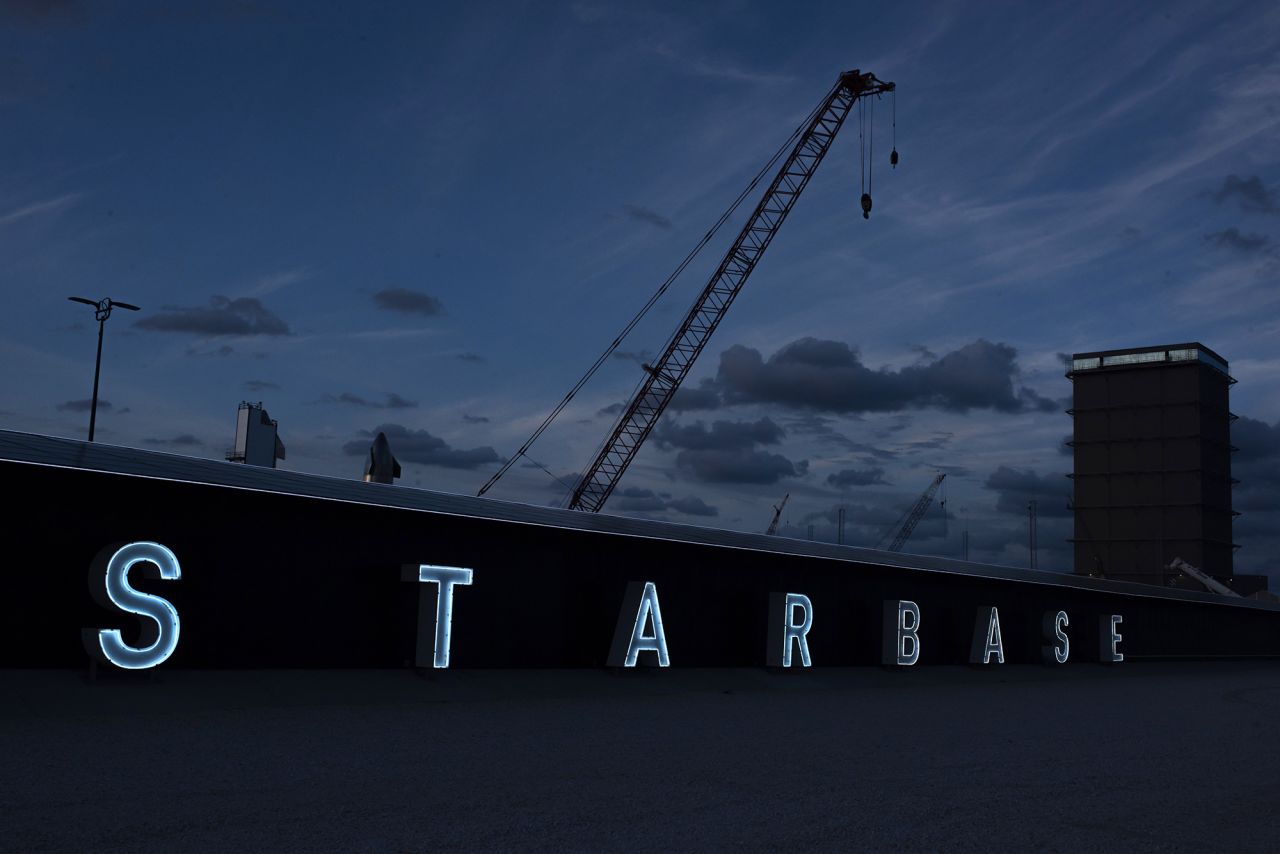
point(382, 467)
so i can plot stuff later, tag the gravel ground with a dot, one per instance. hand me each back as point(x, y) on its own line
point(1143, 756)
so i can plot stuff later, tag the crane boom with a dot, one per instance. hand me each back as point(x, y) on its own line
point(777, 514)
point(917, 513)
point(664, 376)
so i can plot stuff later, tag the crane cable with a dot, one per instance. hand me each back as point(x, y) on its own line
point(871, 139)
point(866, 150)
point(662, 289)
point(862, 148)
point(893, 154)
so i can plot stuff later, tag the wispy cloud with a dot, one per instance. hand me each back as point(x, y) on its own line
point(275, 281)
point(718, 69)
point(47, 206)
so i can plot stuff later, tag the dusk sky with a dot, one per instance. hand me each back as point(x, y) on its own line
point(430, 218)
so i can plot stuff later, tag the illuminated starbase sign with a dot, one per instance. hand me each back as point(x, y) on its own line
point(639, 630)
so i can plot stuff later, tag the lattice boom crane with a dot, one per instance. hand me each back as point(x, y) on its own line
point(917, 513)
point(777, 515)
point(664, 376)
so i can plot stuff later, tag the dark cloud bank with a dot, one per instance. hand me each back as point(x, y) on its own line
point(648, 216)
point(637, 500)
point(83, 405)
point(1233, 239)
point(184, 440)
point(223, 316)
point(728, 451)
point(1015, 487)
point(1249, 193)
point(419, 446)
point(1257, 466)
point(393, 401)
point(406, 301)
point(829, 376)
point(856, 477)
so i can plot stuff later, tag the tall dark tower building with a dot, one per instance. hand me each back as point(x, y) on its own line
point(1152, 446)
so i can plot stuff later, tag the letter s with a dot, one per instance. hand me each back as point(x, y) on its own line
point(109, 583)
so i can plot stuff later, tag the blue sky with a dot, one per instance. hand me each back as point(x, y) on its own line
point(435, 216)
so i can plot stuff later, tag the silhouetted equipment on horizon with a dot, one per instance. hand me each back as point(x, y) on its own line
point(1210, 583)
point(101, 311)
point(257, 437)
point(777, 514)
point(382, 466)
point(916, 513)
point(808, 144)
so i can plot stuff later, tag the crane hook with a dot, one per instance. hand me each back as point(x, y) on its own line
point(866, 206)
point(893, 158)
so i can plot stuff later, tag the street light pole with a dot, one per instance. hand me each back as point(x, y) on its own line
point(101, 311)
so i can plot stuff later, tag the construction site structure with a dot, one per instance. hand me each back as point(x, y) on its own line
point(916, 513)
point(1152, 478)
point(257, 437)
point(812, 139)
point(664, 376)
point(777, 515)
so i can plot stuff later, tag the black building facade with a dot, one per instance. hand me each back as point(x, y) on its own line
point(1152, 450)
point(273, 568)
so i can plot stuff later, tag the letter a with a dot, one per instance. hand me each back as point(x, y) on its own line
point(639, 609)
point(986, 638)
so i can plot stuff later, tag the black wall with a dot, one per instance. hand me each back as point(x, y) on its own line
point(285, 581)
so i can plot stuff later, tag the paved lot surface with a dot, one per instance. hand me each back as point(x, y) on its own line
point(1144, 756)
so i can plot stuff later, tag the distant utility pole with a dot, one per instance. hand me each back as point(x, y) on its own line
point(840, 527)
point(810, 530)
point(964, 545)
point(101, 311)
point(1031, 531)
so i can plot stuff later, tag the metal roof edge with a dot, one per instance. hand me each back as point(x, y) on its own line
point(98, 457)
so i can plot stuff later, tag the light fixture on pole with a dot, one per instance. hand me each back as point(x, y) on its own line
point(101, 311)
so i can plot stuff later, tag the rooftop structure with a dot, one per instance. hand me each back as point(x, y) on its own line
point(257, 439)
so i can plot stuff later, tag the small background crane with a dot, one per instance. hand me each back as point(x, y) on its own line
point(777, 514)
point(915, 514)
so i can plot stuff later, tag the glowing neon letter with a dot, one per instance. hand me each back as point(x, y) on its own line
point(783, 628)
point(901, 627)
point(986, 638)
point(1109, 638)
point(639, 607)
point(445, 577)
point(109, 583)
point(1058, 648)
